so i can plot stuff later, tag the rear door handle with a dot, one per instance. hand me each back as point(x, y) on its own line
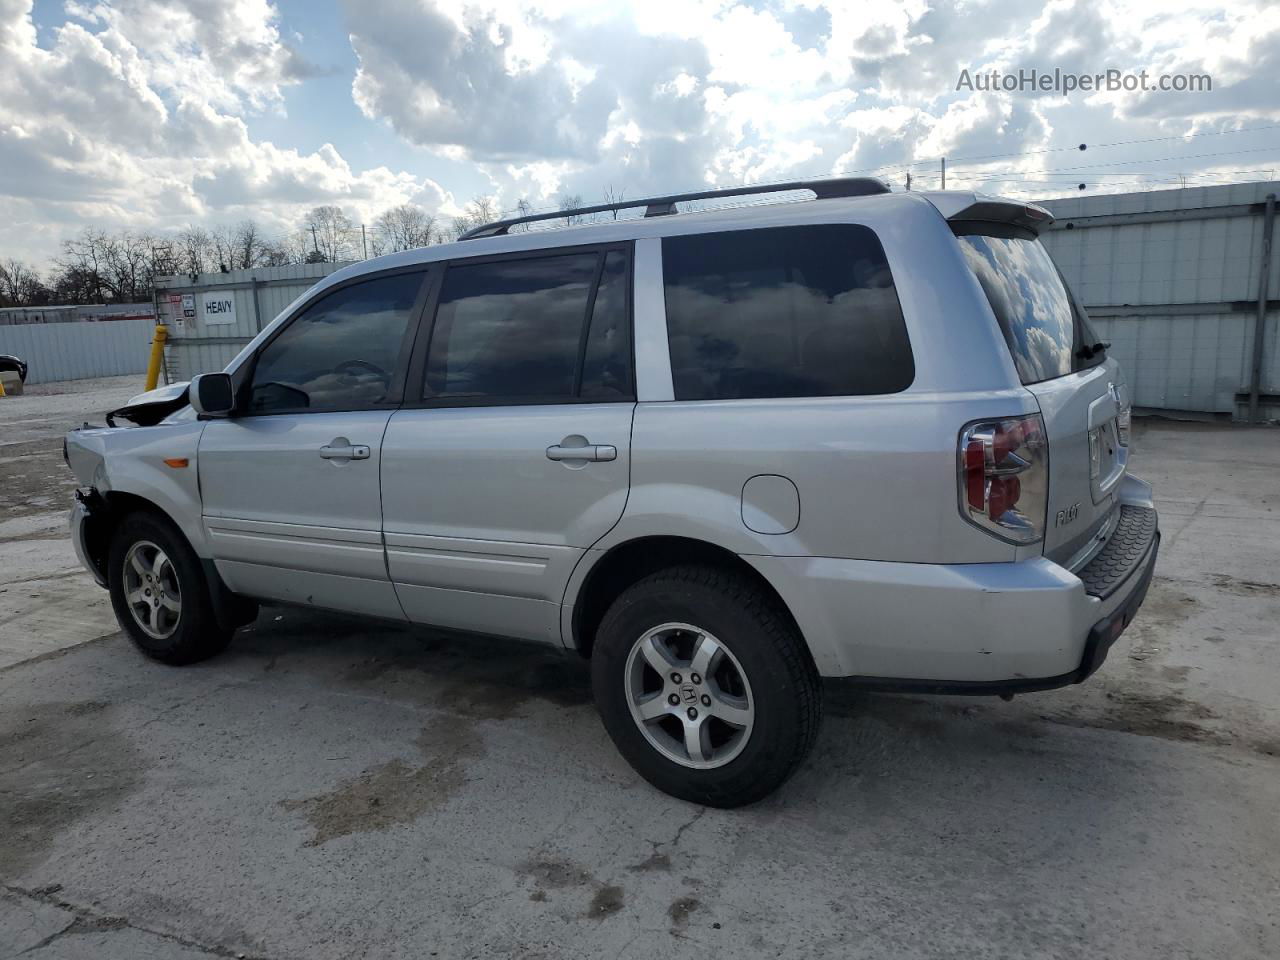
point(340, 448)
point(595, 452)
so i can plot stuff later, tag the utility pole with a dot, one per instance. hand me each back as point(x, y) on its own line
point(908, 179)
point(364, 240)
point(315, 244)
point(1260, 323)
point(944, 173)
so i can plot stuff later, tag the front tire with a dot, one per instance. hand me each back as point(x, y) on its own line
point(706, 686)
point(159, 592)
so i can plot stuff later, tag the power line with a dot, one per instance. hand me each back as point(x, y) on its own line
point(1033, 153)
point(1114, 143)
point(1188, 156)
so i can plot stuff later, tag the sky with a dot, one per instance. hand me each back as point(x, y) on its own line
point(154, 114)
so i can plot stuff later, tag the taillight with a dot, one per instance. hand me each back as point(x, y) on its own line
point(1124, 417)
point(1004, 477)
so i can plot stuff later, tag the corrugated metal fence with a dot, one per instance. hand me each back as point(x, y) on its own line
point(74, 351)
point(1171, 279)
point(250, 299)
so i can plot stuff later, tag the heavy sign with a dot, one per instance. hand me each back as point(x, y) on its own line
point(218, 308)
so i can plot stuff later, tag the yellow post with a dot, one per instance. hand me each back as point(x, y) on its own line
point(1, 388)
point(157, 355)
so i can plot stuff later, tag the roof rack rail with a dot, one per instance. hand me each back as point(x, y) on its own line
point(664, 206)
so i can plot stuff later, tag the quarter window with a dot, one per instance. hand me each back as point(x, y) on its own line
point(783, 312)
point(606, 365)
point(1043, 326)
point(341, 353)
point(535, 329)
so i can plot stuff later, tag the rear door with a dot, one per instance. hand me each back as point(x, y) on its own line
point(290, 486)
point(512, 454)
point(1080, 391)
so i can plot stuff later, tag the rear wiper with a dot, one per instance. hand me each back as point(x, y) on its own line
point(1089, 352)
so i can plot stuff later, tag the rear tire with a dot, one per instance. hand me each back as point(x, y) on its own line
point(159, 593)
point(731, 737)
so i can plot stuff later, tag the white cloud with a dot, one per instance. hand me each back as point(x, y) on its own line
point(132, 117)
point(139, 112)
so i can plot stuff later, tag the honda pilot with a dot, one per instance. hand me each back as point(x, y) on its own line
point(721, 454)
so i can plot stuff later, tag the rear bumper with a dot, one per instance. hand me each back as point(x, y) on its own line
point(1107, 630)
point(962, 628)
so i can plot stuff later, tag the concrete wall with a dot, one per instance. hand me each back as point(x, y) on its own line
point(75, 351)
point(260, 294)
point(1171, 279)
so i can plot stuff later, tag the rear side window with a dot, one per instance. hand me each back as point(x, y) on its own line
point(1039, 319)
point(534, 329)
point(805, 311)
point(341, 353)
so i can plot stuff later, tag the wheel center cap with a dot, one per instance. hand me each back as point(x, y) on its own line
point(688, 694)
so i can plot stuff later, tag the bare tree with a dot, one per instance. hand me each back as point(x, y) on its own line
point(523, 209)
point(223, 241)
point(249, 246)
point(278, 253)
point(403, 228)
point(83, 263)
point(20, 285)
point(571, 201)
point(109, 267)
point(194, 250)
point(460, 225)
point(129, 266)
point(483, 209)
point(613, 197)
point(332, 233)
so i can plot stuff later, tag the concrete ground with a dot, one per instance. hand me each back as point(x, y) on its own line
point(47, 600)
point(331, 788)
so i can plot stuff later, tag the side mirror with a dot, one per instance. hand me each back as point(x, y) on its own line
point(212, 395)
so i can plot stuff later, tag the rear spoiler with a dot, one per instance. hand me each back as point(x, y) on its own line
point(963, 206)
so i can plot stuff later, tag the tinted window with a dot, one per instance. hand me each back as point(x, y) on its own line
point(783, 312)
point(1039, 319)
point(517, 330)
point(341, 353)
point(606, 366)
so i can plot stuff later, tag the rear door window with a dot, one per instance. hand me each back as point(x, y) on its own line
point(1041, 322)
point(807, 311)
point(549, 329)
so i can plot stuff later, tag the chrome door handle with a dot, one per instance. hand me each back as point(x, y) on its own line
point(340, 448)
point(595, 452)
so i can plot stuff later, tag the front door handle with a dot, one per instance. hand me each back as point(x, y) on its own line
point(577, 448)
point(340, 448)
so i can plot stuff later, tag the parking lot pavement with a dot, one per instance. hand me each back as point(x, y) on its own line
point(47, 601)
point(330, 788)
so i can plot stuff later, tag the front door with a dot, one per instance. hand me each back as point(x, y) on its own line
point(512, 454)
point(289, 486)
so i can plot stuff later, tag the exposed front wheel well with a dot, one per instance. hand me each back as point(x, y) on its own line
point(106, 513)
point(634, 560)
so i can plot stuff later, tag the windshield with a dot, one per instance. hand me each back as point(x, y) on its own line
point(1047, 331)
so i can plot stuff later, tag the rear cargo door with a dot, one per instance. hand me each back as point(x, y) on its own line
point(1080, 391)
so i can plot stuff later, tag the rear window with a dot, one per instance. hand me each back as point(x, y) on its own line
point(1041, 322)
point(783, 312)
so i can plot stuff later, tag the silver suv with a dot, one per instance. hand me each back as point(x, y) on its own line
point(722, 454)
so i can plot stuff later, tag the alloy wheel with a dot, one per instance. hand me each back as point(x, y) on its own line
point(689, 695)
point(151, 590)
